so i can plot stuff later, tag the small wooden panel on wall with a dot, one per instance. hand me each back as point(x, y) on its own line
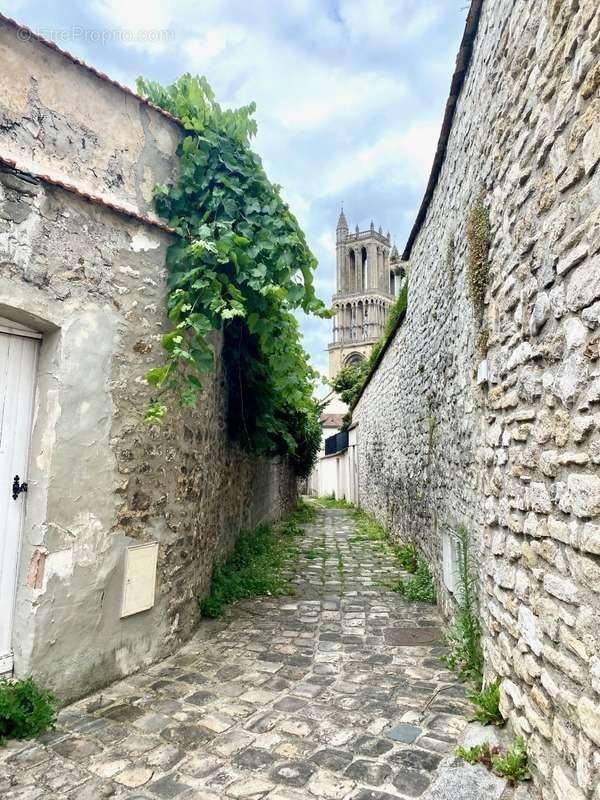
point(140, 578)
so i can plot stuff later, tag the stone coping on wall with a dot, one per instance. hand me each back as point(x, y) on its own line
point(26, 33)
point(97, 199)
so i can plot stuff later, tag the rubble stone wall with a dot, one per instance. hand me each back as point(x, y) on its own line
point(92, 280)
point(514, 457)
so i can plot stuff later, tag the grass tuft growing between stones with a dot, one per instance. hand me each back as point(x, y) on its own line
point(303, 512)
point(487, 704)
point(511, 764)
point(420, 588)
point(407, 555)
point(257, 564)
point(331, 501)
point(25, 710)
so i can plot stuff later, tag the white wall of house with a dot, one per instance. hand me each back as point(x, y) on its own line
point(337, 474)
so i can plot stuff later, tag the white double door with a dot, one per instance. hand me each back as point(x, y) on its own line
point(18, 362)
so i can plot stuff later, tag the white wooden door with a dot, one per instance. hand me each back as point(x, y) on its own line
point(18, 360)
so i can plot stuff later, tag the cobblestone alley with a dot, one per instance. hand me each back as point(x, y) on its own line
point(323, 694)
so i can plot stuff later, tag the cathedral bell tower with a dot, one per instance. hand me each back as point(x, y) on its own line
point(367, 276)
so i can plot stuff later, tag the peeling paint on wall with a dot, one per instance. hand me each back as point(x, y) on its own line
point(36, 569)
point(101, 479)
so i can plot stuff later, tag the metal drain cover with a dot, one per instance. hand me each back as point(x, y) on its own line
point(411, 637)
point(405, 733)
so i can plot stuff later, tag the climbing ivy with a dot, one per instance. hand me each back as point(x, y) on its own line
point(478, 245)
point(240, 264)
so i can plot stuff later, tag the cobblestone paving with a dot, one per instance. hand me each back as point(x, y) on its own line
point(285, 698)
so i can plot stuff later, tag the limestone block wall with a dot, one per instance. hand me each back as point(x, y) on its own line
point(91, 279)
point(514, 458)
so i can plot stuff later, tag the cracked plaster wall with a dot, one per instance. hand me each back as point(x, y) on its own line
point(93, 281)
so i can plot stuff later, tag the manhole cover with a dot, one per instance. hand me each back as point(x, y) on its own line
point(411, 637)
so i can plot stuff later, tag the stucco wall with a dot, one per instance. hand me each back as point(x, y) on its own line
point(93, 281)
point(516, 458)
point(61, 119)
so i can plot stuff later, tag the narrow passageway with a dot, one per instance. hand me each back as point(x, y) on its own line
point(333, 692)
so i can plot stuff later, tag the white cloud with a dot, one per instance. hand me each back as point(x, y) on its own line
point(326, 241)
point(346, 91)
point(394, 157)
point(382, 22)
point(202, 49)
point(145, 25)
point(299, 90)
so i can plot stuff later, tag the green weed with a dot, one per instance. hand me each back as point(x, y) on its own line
point(419, 588)
point(407, 555)
point(254, 568)
point(487, 704)
point(511, 764)
point(303, 512)
point(367, 528)
point(25, 710)
point(478, 754)
point(311, 554)
point(331, 501)
point(463, 636)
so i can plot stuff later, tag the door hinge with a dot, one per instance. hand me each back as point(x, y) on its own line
point(18, 487)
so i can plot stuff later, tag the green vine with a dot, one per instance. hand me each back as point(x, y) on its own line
point(240, 264)
point(478, 246)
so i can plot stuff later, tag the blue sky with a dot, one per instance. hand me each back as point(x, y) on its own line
point(350, 93)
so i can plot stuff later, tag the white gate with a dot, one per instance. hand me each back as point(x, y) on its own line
point(18, 361)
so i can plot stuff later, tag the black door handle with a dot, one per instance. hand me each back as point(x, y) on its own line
point(18, 487)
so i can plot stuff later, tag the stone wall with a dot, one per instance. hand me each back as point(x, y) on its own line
point(515, 458)
point(86, 267)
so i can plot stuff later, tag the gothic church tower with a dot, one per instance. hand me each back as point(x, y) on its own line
point(368, 275)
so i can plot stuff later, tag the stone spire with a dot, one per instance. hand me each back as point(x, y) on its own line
point(342, 224)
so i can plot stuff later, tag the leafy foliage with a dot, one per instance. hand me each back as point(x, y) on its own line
point(407, 556)
point(487, 704)
point(303, 512)
point(419, 588)
point(479, 754)
point(25, 710)
point(511, 764)
point(349, 380)
point(241, 263)
point(478, 246)
point(464, 633)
